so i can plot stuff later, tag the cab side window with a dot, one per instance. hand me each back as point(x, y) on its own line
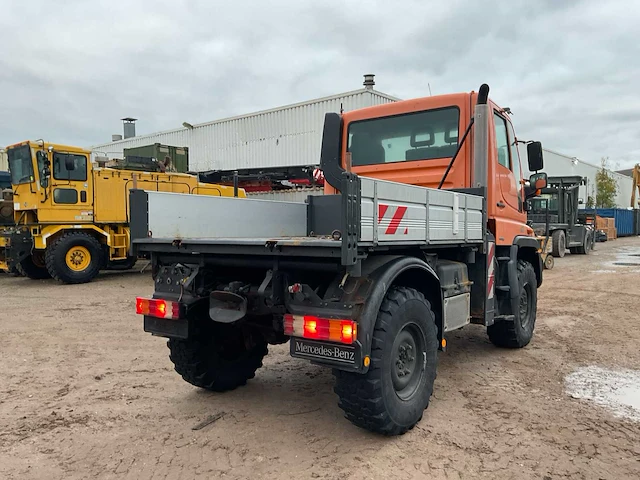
point(515, 158)
point(502, 142)
point(61, 162)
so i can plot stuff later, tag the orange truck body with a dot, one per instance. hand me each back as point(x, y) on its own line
point(505, 184)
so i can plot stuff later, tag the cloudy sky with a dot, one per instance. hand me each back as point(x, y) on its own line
point(70, 69)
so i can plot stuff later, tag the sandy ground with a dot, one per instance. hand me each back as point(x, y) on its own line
point(85, 393)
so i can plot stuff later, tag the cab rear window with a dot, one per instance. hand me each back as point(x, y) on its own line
point(423, 135)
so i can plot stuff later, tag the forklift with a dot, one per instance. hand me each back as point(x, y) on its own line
point(555, 212)
point(542, 204)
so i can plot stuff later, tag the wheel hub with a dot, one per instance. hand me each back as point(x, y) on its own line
point(524, 307)
point(78, 258)
point(406, 370)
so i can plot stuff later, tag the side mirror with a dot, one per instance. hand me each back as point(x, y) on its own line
point(69, 164)
point(534, 155)
point(45, 172)
point(538, 181)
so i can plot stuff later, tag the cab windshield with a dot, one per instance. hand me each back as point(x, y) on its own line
point(20, 165)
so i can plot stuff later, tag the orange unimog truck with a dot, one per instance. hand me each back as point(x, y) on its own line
point(422, 231)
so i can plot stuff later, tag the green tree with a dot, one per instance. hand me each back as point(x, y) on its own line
point(606, 186)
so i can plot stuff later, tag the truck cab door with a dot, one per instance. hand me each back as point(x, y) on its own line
point(72, 194)
point(508, 171)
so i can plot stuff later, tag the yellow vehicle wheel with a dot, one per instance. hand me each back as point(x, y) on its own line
point(74, 257)
point(33, 267)
point(548, 262)
point(78, 258)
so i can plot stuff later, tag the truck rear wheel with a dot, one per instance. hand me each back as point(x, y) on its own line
point(558, 244)
point(33, 267)
point(74, 257)
point(518, 333)
point(392, 396)
point(585, 249)
point(217, 356)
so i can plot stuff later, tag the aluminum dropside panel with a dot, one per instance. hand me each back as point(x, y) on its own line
point(174, 216)
point(394, 213)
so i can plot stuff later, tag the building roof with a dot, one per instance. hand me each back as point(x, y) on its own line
point(370, 91)
point(627, 171)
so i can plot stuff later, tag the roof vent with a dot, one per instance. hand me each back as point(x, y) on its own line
point(116, 137)
point(368, 81)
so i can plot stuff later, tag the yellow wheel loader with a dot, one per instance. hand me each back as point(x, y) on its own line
point(71, 217)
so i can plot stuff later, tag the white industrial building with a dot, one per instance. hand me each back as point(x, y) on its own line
point(557, 164)
point(291, 136)
point(284, 136)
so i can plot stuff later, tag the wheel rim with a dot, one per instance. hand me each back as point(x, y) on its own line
point(562, 244)
point(406, 368)
point(78, 258)
point(524, 306)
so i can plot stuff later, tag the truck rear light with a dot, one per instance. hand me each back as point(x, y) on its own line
point(158, 308)
point(316, 328)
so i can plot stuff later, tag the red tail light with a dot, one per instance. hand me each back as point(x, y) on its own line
point(158, 308)
point(316, 328)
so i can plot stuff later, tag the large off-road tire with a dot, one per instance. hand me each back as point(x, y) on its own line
point(392, 396)
point(74, 257)
point(216, 357)
point(558, 244)
point(518, 333)
point(33, 267)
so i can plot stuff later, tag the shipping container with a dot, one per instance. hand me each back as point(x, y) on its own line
point(179, 156)
point(285, 136)
point(625, 219)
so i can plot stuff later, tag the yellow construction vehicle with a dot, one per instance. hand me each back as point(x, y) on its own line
point(636, 186)
point(71, 217)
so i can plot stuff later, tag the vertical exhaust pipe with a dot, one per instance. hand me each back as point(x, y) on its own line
point(482, 117)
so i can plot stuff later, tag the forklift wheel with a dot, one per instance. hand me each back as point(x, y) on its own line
point(548, 262)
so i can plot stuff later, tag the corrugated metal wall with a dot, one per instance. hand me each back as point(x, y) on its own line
point(287, 136)
point(557, 164)
point(4, 162)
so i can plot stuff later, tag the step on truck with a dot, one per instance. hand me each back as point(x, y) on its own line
point(422, 231)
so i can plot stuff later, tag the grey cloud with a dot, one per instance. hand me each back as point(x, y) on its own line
point(566, 69)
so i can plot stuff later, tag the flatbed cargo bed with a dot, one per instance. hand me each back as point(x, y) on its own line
point(376, 215)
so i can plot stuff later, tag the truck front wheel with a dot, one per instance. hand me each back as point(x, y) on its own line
point(217, 357)
point(518, 332)
point(392, 396)
point(74, 257)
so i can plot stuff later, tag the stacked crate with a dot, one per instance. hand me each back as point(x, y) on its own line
point(608, 226)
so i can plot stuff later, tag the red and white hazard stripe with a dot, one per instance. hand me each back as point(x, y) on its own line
point(392, 217)
point(491, 277)
point(317, 174)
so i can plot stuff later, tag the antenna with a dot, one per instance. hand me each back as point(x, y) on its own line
point(429, 85)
